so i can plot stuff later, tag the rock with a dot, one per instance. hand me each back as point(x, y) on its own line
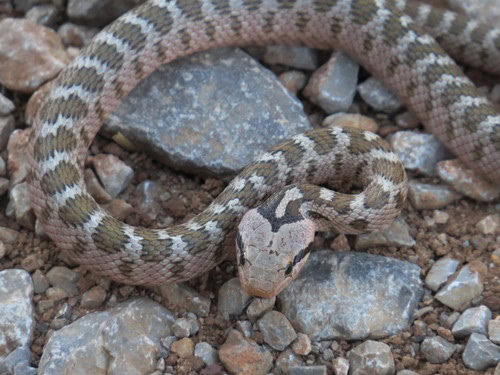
point(406, 120)
point(64, 278)
point(98, 12)
point(437, 350)
point(245, 327)
point(332, 87)
point(114, 174)
point(480, 353)
point(122, 340)
point(7, 125)
point(8, 235)
point(76, 35)
point(211, 97)
point(17, 163)
point(232, 298)
point(351, 120)
point(240, 355)
point(293, 80)
point(340, 366)
point(181, 328)
point(397, 234)
point(376, 95)
point(259, 306)
point(490, 224)
point(17, 315)
point(302, 344)
point(294, 57)
point(23, 42)
point(183, 348)
point(428, 196)
point(207, 353)
point(186, 297)
point(472, 320)
point(20, 356)
point(440, 217)
point(356, 295)
point(440, 272)
point(287, 359)
point(95, 188)
point(277, 330)
point(418, 151)
point(494, 330)
point(307, 370)
point(4, 185)
point(21, 203)
point(463, 287)
point(371, 357)
point(6, 106)
point(93, 297)
point(46, 15)
point(40, 282)
point(466, 181)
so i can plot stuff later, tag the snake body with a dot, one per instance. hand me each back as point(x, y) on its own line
point(375, 32)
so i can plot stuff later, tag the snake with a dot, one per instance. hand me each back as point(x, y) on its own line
point(400, 42)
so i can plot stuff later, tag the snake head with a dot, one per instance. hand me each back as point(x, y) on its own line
point(270, 254)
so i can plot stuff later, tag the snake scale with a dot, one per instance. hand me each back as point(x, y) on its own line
point(383, 35)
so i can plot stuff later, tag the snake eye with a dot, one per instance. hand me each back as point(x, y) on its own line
point(298, 257)
point(289, 269)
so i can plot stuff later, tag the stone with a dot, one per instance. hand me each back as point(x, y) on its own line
point(429, 196)
point(371, 358)
point(494, 330)
point(302, 344)
point(340, 366)
point(211, 97)
point(258, 307)
point(4, 185)
point(183, 347)
point(293, 80)
point(351, 120)
point(6, 105)
point(466, 181)
point(76, 35)
point(307, 370)
point(440, 272)
point(207, 353)
point(40, 282)
point(436, 349)
point(93, 297)
point(114, 173)
point(474, 319)
point(396, 234)
point(406, 120)
point(129, 333)
point(232, 298)
point(356, 296)
point(333, 86)
point(98, 12)
point(463, 287)
point(277, 331)
point(46, 15)
point(480, 353)
point(294, 57)
point(240, 355)
point(17, 314)
point(419, 152)
point(95, 188)
point(490, 224)
point(17, 164)
point(376, 95)
point(21, 203)
point(287, 359)
point(186, 297)
point(64, 278)
point(181, 328)
point(7, 126)
point(23, 42)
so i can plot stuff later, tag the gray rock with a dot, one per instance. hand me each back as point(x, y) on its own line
point(407, 372)
point(40, 282)
point(46, 15)
point(333, 86)
point(207, 353)
point(472, 320)
point(440, 272)
point(294, 57)
point(259, 306)
point(397, 234)
point(94, 297)
point(232, 298)
point(181, 328)
point(418, 151)
point(480, 353)
point(3, 170)
point(340, 366)
point(99, 12)
point(494, 330)
point(123, 340)
point(4, 185)
point(466, 181)
point(6, 105)
point(17, 315)
point(21, 204)
point(406, 120)
point(293, 80)
point(20, 356)
point(428, 196)
point(371, 358)
point(437, 350)
point(356, 295)
point(463, 287)
point(277, 330)
point(489, 224)
point(114, 174)
point(245, 327)
point(64, 278)
point(212, 97)
point(7, 126)
point(307, 370)
point(186, 297)
point(302, 344)
point(76, 35)
point(287, 359)
point(377, 96)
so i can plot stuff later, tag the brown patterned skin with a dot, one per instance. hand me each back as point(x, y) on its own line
point(374, 32)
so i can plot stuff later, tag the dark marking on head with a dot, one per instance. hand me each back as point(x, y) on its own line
point(269, 207)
